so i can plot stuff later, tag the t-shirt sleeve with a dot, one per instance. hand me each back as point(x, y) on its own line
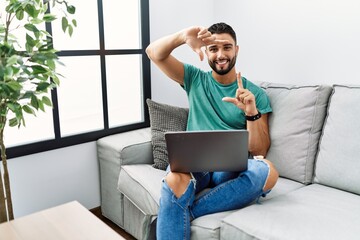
point(263, 102)
point(261, 97)
point(189, 76)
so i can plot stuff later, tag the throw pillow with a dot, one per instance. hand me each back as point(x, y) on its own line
point(164, 118)
point(295, 127)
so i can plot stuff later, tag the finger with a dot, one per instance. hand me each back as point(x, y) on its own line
point(204, 34)
point(203, 31)
point(212, 40)
point(234, 101)
point(230, 100)
point(239, 80)
point(200, 53)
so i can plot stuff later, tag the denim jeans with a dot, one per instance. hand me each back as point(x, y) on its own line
point(228, 191)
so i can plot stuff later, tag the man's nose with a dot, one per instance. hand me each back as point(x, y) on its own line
point(220, 53)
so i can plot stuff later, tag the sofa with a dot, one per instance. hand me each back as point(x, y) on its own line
point(315, 145)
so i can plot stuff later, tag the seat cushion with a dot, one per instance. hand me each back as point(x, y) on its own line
point(312, 212)
point(295, 127)
point(208, 226)
point(338, 162)
point(141, 184)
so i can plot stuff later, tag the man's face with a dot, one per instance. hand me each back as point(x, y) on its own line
point(222, 56)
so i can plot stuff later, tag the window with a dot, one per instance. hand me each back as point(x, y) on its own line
point(106, 79)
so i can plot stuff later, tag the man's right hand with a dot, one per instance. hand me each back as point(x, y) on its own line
point(198, 37)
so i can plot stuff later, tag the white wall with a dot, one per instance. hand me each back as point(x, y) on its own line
point(309, 41)
point(44, 180)
point(167, 17)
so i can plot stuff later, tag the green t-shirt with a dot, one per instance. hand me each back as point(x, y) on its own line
point(207, 111)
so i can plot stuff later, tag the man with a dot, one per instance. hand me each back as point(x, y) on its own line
point(219, 99)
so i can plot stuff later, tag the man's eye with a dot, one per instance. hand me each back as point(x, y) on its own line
point(212, 49)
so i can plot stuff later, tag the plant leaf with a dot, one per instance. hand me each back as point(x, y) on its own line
point(29, 110)
point(13, 122)
point(47, 101)
point(49, 17)
point(20, 14)
point(42, 86)
point(34, 102)
point(71, 30)
point(74, 22)
point(64, 23)
point(71, 9)
point(14, 85)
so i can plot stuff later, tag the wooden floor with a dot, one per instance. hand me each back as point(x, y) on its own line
point(116, 228)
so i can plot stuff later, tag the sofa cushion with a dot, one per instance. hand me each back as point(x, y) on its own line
point(311, 212)
point(164, 118)
point(338, 162)
point(295, 127)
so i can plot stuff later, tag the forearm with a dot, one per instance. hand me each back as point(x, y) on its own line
point(162, 48)
point(259, 138)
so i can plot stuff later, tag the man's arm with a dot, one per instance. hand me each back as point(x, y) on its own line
point(259, 138)
point(159, 53)
point(160, 50)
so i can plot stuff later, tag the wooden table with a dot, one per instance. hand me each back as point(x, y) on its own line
point(70, 221)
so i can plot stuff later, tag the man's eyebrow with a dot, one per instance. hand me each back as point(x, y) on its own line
point(216, 45)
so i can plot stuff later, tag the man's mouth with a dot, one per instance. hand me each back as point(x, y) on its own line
point(222, 62)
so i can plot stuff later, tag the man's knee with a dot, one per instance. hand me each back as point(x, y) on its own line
point(178, 182)
point(272, 177)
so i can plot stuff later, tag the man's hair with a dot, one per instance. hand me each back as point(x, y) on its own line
point(219, 28)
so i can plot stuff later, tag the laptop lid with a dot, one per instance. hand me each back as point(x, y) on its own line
point(207, 151)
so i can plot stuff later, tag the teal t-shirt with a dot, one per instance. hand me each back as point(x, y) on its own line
point(207, 110)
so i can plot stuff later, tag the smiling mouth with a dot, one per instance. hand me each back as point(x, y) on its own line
point(222, 62)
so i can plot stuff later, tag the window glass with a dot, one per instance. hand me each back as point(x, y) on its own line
point(79, 95)
point(122, 24)
point(85, 35)
point(124, 88)
point(103, 81)
point(38, 128)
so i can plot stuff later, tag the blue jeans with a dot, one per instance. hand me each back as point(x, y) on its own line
point(228, 191)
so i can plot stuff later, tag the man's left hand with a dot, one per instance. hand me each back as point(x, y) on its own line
point(244, 99)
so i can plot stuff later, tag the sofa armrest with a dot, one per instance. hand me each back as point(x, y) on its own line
point(133, 147)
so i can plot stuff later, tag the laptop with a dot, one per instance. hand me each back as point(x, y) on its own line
point(207, 151)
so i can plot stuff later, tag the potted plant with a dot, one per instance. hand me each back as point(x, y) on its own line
point(27, 71)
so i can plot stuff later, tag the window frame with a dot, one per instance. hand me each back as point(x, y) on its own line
point(60, 142)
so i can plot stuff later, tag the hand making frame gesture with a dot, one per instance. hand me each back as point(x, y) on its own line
point(198, 37)
point(244, 99)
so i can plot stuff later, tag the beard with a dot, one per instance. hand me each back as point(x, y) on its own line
point(223, 71)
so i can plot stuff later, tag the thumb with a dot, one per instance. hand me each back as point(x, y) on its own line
point(230, 100)
point(200, 53)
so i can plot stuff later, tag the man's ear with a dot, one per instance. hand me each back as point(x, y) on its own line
point(237, 49)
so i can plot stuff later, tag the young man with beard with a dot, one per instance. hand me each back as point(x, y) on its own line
point(218, 100)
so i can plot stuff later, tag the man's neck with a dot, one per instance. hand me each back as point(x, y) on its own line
point(228, 78)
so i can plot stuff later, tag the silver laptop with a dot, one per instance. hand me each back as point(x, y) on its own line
point(207, 151)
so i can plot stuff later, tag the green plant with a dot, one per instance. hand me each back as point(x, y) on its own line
point(27, 72)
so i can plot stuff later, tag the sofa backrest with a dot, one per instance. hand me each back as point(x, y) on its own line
point(295, 127)
point(338, 160)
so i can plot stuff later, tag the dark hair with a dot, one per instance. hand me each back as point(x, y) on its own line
point(219, 28)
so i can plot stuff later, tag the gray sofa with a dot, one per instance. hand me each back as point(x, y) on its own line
point(315, 145)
